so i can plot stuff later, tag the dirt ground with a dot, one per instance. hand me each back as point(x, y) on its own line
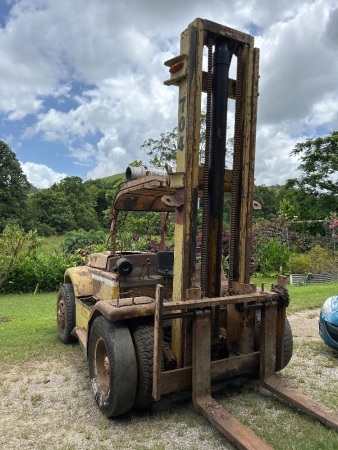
point(48, 405)
point(304, 324)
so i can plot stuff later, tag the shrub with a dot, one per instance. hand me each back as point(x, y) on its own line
point(322, 260)
point(294, 235)
point(38, 272)
point(300, 263)
point(78, 239)
point(15, 245)
point(129, 241)
point(23, 268)
point(317, 260)
point(81, 254)
point(45, 230)
point(271, 256)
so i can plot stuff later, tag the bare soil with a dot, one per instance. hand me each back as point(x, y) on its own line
point(47, 404)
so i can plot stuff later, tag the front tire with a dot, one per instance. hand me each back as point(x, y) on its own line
point(288, 339)
point(288, 343)
point(112, 366)
point(65, 311)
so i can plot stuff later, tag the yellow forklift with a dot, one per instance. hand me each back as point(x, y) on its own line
point(152, 323)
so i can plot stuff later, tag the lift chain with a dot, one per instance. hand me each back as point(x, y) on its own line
point(235, 169)
point(206, 167)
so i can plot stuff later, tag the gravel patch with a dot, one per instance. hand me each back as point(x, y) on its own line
point(304, 325)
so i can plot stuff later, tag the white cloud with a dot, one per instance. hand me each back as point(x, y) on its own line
point(83, 155)
point(41, 176)
point(109, 160)
point(273, 161)
point(325, 111)
point(107, 57)
point(124, 111)
point(297, 70)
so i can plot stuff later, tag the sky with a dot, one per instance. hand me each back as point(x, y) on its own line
point(81, 82)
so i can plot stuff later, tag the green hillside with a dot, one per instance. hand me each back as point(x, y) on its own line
point(113, 178)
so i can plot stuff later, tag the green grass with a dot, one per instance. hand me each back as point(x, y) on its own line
point(51, 244)
point(282, 426)
point(112, 178)
point(28, 324)
point(309, 296)
point(28, 327)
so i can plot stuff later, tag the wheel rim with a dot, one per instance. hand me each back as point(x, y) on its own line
point(102, 367)
point(61, 313)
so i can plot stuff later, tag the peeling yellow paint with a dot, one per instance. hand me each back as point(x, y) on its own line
point(82, 314)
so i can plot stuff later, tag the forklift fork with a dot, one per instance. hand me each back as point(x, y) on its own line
point(233, 429)
point(269, 380)
point(237, 433)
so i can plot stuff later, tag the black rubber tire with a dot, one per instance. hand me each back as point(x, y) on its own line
point(143, 337)
point(288, 339)
point(112, 366)
point(288, 343)
point(65, 313)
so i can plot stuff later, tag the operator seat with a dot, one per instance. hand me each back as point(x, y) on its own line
point(165, 263)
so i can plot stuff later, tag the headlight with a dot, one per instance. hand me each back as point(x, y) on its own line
point(330, 305)
point(327, 307)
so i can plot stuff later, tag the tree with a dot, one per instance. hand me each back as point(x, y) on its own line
point(286, 210)
point(267, 196)
point(314, 194)
point(319, 164)
point(71, 185)
point(80, 201)
point(13, 187)
point(162, 151)
point(101, 192)
point(51, 209)
point(307, 205)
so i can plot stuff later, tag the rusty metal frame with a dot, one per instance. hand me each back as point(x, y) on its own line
point(144, 194)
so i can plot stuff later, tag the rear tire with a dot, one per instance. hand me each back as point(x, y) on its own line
point(65, 311)
point(112, 366)
point(143, 337)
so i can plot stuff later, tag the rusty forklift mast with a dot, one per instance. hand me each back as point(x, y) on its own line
point(239, 297)
point(201, 327)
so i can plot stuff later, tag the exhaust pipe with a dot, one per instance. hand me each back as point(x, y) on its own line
point(132, 173)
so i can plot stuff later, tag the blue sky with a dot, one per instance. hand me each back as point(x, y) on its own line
point(81, 83)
